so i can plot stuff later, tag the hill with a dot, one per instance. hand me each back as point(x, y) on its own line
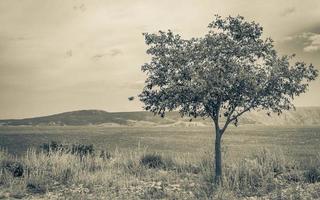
point(301, 116)
point(92, 117)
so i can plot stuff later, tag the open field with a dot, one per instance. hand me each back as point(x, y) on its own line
point(297, 142)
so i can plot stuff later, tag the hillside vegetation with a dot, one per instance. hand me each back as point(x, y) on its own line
point(301, 116)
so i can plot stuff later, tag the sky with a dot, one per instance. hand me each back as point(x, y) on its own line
point(65, 55)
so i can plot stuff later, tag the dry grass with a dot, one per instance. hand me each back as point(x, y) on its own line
point(263, 175)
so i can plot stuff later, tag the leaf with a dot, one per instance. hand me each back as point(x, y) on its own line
point(227, 72)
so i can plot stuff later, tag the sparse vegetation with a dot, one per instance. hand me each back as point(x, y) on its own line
point(312, 175)
point(80, 150)
point(312, 170)
point(139, 174)
point(52, 146)
point(118, 173)
point(152, 161)
point(15, 168)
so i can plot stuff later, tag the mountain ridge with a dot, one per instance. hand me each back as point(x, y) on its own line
point(300, 116)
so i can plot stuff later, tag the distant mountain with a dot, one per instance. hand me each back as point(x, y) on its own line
point(301, 116)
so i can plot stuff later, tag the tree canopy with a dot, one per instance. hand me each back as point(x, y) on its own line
point(227, 72)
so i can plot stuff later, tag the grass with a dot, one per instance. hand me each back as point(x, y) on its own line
point(129, 175)
point(161, 163)
point(296, 142)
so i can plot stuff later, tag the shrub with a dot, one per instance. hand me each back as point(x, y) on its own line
point(75, 149)
point(312, 175)
point(53, 146)
point(82, 149)
point(312, 169)
point(14, 167)
point(152, 161)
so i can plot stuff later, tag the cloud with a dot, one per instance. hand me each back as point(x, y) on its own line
point(314, 44)
point(112, 53)
point(98, 56)
point(309, 41)
point(287, 39)
point(288, 11)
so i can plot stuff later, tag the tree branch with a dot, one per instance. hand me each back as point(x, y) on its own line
point(228, 120)
point(239, 114)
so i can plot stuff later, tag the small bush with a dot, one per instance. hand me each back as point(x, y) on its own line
point(75, 149)
point(152, 161)
point(52, 146)
point(14, 167)
point(312, 175)
point(82, 149)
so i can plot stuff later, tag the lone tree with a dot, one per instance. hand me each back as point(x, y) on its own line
point(229, 71)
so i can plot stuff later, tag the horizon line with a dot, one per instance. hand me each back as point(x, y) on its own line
point(70, 111)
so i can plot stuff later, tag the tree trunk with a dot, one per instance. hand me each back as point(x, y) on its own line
point(218, 162)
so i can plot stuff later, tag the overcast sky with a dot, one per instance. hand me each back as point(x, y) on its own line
point(64, 55)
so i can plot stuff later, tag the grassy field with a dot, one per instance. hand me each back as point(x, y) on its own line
point(261, 162)
point(297, 142)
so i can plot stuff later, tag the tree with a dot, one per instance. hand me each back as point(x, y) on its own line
point(226, 73)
